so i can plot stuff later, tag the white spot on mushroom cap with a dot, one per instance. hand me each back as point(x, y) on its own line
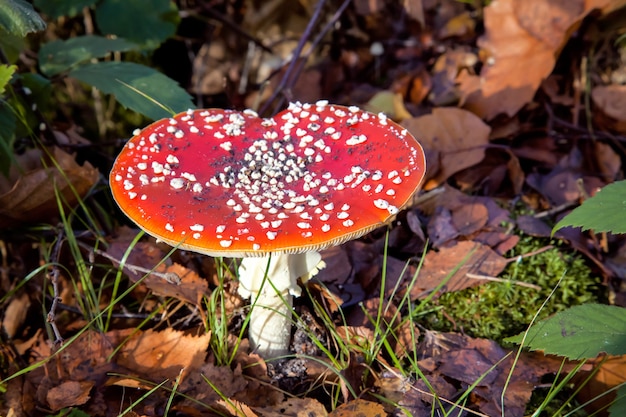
point(177, 183)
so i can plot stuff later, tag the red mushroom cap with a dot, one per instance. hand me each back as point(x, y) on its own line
point(226, 183)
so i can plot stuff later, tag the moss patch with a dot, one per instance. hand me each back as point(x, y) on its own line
point(497, 310)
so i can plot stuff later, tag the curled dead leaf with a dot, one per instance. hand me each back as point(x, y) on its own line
point(29, 195)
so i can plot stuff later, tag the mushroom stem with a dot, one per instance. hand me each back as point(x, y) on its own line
point(271, 283)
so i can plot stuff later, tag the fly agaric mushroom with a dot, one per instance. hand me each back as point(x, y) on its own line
point(272, 191)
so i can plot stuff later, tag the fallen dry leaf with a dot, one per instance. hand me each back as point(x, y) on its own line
point(467, 256)
point(454, 214)
point(552, 87)
point(611, 372)
point(188, 286)
point(15, 313)
point(226, 381)
point(69, 394)
point(567, 182)
point(29, 195)
point(453, 139)
point(360, 408)
point(444, 91)
point(522, 40)
point(499, 174)
point(236, 408)
point(610, 104)
point(294, 407)
point(162, 355)
point(470, 360)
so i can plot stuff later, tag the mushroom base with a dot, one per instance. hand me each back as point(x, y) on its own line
point(271, 283)
point(270, 325)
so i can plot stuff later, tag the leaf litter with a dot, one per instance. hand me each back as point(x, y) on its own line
point(483, 90)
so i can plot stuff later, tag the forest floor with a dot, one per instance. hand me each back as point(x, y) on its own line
point(520, 107)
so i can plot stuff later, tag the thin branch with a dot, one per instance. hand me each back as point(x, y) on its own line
point(496, 279)
point(53, 276)
point(284, 82)
point(320, 36)
point(170, 277)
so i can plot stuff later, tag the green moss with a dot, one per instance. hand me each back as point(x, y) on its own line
point(496, 310)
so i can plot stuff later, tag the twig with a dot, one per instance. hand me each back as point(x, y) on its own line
point(170, 277)
point(294, 59)
point(216, 15)
point(529, 254)
point(318, 39)
point(555, 210)
point(122, 315)
point(496, 279)
point(53, 275)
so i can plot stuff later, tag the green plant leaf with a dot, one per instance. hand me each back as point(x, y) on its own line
point(604, 212)
point(11, 45)
point(579, 332)
point(6, 72)
point(7, 137)
point(59, 56)
point(58, 8)
point(146, 22)
point(19, 18)
point(136, 87)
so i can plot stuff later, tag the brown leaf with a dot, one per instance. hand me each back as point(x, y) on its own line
point(162, 355)
point(610, 103)
point(447, 209)
point(552, 87)
point(294, 407)
point(444, 91)
point(69, 394)
point(415, 9)
point(226, 381)
point(467, 256)
point(596, 392)
point(467, 360)
point(15, 313)
point(499, 174)
point(455, 137)
point(236, 408)
point(188, 285)
point(522, 39)
point(360, 408)
point(30, 195)
point(470, 218)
